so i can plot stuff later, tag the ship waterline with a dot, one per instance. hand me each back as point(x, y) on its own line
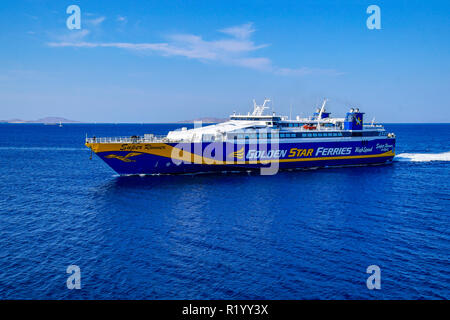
point(174, 158)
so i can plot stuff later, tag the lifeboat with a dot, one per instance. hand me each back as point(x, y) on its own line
point(309, 127)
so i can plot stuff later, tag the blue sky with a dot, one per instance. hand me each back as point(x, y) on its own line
point(165, 61)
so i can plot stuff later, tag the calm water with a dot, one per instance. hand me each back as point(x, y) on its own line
point(296, 235)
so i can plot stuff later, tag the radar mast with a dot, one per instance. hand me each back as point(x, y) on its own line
point(258, 110)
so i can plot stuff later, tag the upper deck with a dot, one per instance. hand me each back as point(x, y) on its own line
point(259, 126)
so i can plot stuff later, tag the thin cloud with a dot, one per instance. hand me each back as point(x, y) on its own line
point(95, 22)
point(307, 71)
point(241, 32)
point(73, 36)
point(263, 64)
point(236, 49)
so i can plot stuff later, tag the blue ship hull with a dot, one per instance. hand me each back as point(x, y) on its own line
point(172, 158)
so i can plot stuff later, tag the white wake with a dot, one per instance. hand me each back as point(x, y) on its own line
point(423, 157)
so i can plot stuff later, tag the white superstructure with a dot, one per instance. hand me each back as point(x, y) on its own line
point(257, 122)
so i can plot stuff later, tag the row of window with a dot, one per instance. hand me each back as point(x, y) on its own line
point(301, 125)
point(290, 124)
point(311, 134)
point(324, 134)
point(287, 135)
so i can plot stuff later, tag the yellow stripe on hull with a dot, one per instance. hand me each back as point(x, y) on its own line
point(167, 151)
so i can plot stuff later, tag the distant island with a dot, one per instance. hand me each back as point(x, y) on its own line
point(48, 120)
point(57, 120)
point(205, 120)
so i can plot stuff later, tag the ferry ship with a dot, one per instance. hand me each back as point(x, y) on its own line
point(253, 141)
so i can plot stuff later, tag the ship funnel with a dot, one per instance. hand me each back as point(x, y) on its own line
point(354, 120)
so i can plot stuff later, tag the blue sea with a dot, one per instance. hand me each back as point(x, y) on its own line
point(308, 234)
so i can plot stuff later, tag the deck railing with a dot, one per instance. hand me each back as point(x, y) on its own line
point(369, 125)
point(132, 139)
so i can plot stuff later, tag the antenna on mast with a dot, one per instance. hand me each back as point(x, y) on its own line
point(319, 117)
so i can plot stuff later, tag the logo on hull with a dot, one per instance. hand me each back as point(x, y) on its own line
point(384, 147)
point(238, 154)
point(124, 158)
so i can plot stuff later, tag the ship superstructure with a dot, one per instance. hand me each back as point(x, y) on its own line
point(252, 141)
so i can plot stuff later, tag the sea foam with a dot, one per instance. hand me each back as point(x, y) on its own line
point(423, 157)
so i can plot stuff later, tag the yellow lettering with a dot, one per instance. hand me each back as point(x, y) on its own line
point(292, 152)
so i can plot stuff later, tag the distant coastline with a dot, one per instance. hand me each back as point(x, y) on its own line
point(46, 120)
point(56, 120)
point(205, 120)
